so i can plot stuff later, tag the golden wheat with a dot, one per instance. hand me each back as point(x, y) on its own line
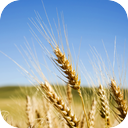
point(104, 106)
point(60, 105)
point(29, 112)
point(68, 118)
point(118, 97)
point(91, 115)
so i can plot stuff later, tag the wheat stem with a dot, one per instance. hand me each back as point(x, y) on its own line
point(79, 91)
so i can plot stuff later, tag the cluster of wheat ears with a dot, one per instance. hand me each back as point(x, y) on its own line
point(57, 111)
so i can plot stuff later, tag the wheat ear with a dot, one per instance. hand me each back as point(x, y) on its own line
point(29, 112)
point(71, 75)
point(91, 115)
point(69, 95)
point(60, 105)
point(104, 106)
point(66, 67)
point(118, 97)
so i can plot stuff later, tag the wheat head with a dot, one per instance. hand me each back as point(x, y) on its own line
point(66, 67)
point(118, 97)
point(29, 113)
point(60, 105)
point(91, 115)
point(104, 106)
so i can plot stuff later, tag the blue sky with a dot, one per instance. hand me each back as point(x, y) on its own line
point(88, 22)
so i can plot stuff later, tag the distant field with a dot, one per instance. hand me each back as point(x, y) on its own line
point(15, 91)
point(11, 94)
point(13, 100)
point(20, 92)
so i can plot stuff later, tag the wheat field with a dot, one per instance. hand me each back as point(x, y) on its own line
point(44, 104)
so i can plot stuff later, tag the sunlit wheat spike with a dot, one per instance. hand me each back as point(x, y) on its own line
point(91, 115)
point(29, 113)
point(118, 97)
point(60, 105)
point(71, 75)
point(104, 106)
point(69, 95)
point(66, 67)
